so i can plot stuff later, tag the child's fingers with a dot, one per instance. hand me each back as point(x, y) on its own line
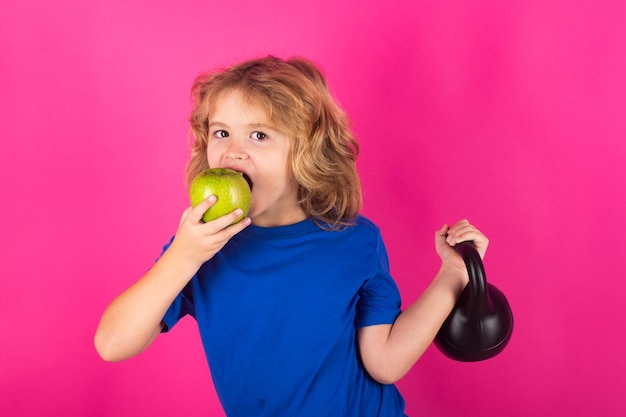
point(442, 234)
point(443, 231)
point(461, 231)
point(224, 221)
point(184, 216)
point(221, 230)
point(233, 229)
point(198, 211)
point(464, 231)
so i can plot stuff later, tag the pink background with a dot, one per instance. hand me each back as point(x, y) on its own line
point(508, 113)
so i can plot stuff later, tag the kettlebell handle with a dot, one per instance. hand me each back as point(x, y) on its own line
point(475, 269)
point(481, 323)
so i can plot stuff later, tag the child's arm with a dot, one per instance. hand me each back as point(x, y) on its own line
point(389, 351)
point(133, 320)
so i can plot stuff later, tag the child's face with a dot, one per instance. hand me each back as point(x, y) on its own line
point(242, 138)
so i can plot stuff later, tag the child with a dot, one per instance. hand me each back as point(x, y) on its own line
point(296, 309)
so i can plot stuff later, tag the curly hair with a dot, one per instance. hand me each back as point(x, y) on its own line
point(295, 97)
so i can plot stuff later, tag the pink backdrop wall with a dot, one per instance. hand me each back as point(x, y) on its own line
point(509, 114)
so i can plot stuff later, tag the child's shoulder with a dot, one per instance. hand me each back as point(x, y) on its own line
point(365, 224)
point(362, 220)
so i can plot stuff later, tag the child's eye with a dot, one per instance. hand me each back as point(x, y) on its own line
point(259, 135)
point(220, 134)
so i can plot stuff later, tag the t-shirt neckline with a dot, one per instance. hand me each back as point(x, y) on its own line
point(278, 232)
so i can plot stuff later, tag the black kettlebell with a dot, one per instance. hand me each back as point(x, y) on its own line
point(480, 324)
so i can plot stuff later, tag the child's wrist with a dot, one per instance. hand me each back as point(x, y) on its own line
point(177, 261)
point(453, 275)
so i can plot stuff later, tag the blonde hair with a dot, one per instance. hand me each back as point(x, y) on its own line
point(295, 97)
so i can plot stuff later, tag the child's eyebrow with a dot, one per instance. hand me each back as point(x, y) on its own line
point(217, 124)
point(261, 126)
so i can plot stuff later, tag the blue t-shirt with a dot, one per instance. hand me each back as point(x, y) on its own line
point(278, 308)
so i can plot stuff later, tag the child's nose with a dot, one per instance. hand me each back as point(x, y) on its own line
point(236, 151)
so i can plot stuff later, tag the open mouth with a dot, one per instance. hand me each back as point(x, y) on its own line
point(247, 178)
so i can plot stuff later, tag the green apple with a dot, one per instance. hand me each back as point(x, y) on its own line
point(229, 186)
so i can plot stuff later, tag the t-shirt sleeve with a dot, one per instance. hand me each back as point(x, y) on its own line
point(181, 306)
point(379, 297)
